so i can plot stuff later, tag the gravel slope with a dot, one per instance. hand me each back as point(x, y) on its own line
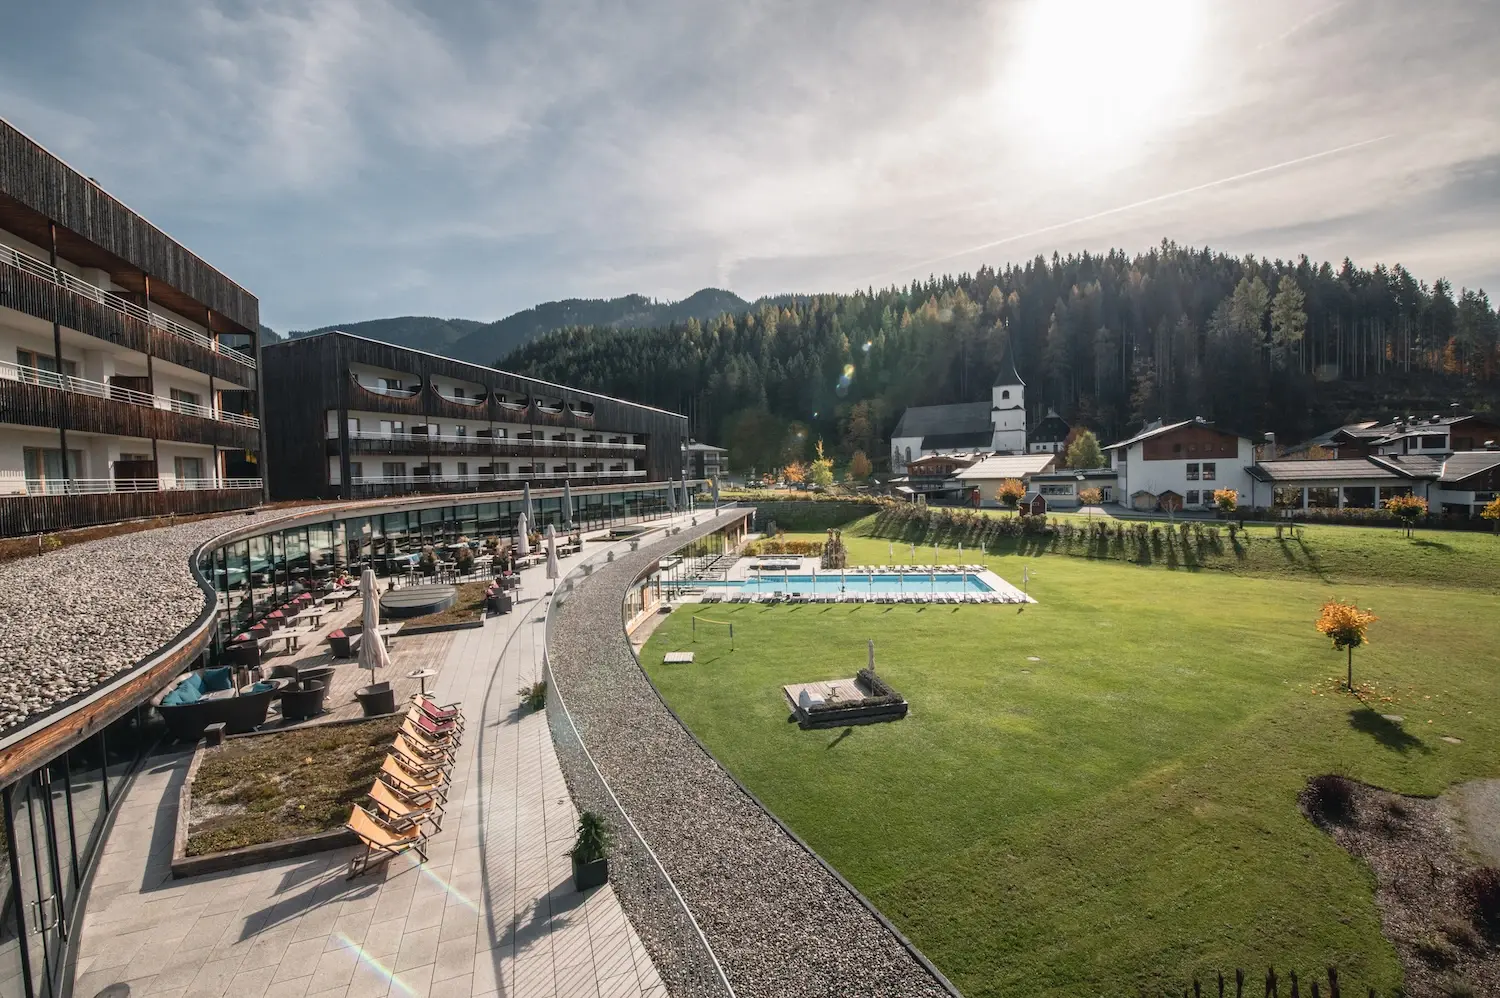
point(780, 923)
point(71, 619)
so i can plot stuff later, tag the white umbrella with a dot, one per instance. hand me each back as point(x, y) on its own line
point(552, 572)
point(891, 554)
point(716, 493)
point(815, 580)
point(372, 653)
point(872, 655)
point(671, 498)
point(567, 506)
point(526, 502)
point(523, 543)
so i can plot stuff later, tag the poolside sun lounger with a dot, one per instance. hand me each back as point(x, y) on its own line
point(382, 841)
point(413, 782)
point(398, 810)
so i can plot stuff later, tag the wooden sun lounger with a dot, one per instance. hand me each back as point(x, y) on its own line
point(427, 746)
point(399, 810)
point(420, 758)
point(414, 783)
point(382, 841)
point(438, 711)
point(435, 731)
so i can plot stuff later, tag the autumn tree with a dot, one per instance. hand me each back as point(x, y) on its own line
point(1084, 451)
point(1345, 625)
point(796, 472)
point(1010, 492)
point(859, 467)
point(1408, 508)
point(1226, 500)
point(822, 469)
point(1090, 498)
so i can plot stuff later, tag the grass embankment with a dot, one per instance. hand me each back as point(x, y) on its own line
point(1098, 794)
point(1328, 553)
point(285, 785)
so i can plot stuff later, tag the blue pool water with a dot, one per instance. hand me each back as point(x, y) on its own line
point(911, 582)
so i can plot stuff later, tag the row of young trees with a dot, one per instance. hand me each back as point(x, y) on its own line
point(1109, 341)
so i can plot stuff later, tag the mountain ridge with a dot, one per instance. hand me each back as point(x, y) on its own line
point(488, 343)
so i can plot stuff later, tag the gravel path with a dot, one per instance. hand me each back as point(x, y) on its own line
point(71, 619)
point(780, 923)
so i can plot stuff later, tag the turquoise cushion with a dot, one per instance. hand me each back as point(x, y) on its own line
point(181, 696)
point(215, 680)
point(262, 687)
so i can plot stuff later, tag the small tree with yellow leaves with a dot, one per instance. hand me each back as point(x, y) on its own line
point(821, 471)
point(1408, 509)
point(1227, 500)
point(1491, 512)
point(1345, 625)
point(1010, 492)
point(1090, 498)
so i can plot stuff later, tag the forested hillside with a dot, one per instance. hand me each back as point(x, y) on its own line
point(1109, 341)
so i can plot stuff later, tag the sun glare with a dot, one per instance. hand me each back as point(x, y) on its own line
point(1088, 83)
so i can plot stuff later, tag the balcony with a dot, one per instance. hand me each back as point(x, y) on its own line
point(384, 485)
point(80, 502)
point(33, 397)
point(16, 262)
point(371, 442)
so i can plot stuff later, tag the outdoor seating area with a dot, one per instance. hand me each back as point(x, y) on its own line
point(410, 793)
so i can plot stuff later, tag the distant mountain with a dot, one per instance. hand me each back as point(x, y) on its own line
point(489, 342)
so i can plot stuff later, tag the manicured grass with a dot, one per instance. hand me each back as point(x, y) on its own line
point(1327, 553)
point(284, 785)
point(1121, 813)
point(467, 607)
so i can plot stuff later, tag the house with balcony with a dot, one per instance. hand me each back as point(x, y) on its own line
point(1171, 466)
point(350, 417)
point(704, 461)
point(128, 374)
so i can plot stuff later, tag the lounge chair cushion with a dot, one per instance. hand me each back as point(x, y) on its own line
point(215, 680)
point(190, 690)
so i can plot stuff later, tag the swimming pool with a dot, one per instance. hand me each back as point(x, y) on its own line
point(909, 582)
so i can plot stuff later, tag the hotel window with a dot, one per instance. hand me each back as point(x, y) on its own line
point(44, 466)
point(393, 469)
point(503, 468)
point(463, 469)
point(45, 362)
point(181, 398)
point(356, 469)
point(1208, 471)
point(1192, 472)
point(188, 469)
point(1192, 497)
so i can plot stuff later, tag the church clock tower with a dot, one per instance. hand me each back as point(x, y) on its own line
point(1008, 410)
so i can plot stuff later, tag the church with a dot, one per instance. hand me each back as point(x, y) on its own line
point(995, 426)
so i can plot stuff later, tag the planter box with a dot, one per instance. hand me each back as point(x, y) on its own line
point(462, 625)
point(589, 875)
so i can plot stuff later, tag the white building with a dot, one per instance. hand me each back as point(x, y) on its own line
point(1008, 413)
point(998, 425)
point(986, 476)
point(1180, 465)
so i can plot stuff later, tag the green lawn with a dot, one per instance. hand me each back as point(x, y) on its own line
point(1122, 812)
point(1327, 553)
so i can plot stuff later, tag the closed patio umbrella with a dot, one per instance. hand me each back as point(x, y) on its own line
point(526, 502)
point(523, 543)
point(716, 494)
point(552, 571)
point(672, 497)
point(567, 506)
point(372, 653)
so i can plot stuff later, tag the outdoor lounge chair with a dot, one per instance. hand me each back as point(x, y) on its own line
point(382, 841)
point(413, 784)
point(447, 729)
point(420, 758)
point(399, 810)
point(426, 746)
point(439, 714)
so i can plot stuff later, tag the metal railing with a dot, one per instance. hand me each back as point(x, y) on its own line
point(456, 438)
point(397, 393)
point(481, 479)
point(463, 399)
point(97, 486)
point(115, 393)
point(12, 257)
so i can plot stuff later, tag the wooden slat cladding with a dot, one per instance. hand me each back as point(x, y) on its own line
point(507, 448)
point(37, 180)
point(1191, 443)
point(21, 515)
point(308, 377)
point(36, 405)
point(36, 296)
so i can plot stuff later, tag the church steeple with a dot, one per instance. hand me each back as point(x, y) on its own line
point(1008, 408)
point(1008, 375)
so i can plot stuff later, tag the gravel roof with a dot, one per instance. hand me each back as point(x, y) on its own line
point(73, 618)
point(779, 921)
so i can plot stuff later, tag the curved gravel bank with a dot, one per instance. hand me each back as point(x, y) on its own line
point(779, 921)
point(71, 619)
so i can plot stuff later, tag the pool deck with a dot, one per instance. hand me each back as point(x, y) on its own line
point(493, 911)
point(916, 580)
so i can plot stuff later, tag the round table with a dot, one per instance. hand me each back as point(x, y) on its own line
point(422, 675)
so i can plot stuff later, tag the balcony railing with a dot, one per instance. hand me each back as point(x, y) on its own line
point(38, 268)
point(417, 439)
point(115, 393)
point(412, 480)
point(95, 486)
point(395, 393)
point(461, 399)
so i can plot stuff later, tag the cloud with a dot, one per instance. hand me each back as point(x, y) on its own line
point(352, 158)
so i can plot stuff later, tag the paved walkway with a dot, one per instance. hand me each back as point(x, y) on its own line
point(492, 912)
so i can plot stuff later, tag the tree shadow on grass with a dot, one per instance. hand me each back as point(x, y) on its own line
point(1420, 543)
point(841, 736)
point(1388, 733)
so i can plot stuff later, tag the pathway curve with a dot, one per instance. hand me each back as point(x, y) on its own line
point(493, 912)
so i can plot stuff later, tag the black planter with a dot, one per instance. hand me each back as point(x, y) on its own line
point(587, 875)
point(376, 699)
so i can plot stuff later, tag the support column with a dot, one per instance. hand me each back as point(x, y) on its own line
point(151, 381)
point(57, 360)
point(1304, 498)
point(262, 460)
point(213, 399)
point(1341, 496)
point(1377, 497)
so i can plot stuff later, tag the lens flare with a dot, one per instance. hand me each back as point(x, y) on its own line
point(397, 985)
point(845, 380)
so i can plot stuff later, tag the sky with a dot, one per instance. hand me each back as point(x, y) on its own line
point(354, 159)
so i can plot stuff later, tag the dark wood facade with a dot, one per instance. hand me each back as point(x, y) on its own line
point(1191, 443)
point(43, 514)
point(308, 377)
point(37, 405)
point(96, 230)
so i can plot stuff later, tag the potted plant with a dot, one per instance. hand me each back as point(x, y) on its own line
point(590, 852)
point(465, 560)
point(427, 560)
